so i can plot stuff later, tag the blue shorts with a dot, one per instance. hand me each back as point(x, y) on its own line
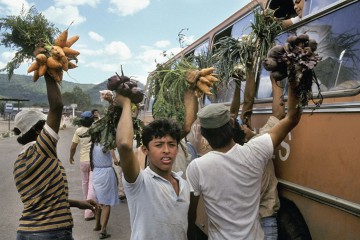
point(269, 226)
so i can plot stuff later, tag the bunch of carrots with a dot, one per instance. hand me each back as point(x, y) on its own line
point(203, 80)
point(56, 58)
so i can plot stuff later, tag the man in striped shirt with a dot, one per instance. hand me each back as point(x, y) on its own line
point(39, 175)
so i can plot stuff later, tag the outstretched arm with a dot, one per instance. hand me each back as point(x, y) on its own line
point(278, 106)
point(191, 108)
point(55, 103)
point(292, 118)
point(124, 140)
point(249, 96)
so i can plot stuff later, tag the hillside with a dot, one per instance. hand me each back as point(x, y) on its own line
point(22, 87)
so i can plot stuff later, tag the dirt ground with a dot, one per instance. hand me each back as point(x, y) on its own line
point(4, 126)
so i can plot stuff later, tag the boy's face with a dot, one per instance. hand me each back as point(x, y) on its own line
point(298, 6)
point(161, 153)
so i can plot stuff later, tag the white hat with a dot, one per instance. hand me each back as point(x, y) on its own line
point(26, 119)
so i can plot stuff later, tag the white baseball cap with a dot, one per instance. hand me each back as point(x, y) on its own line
point(26, 119)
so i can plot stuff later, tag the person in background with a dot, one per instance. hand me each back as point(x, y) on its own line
point(231, 174)
point(96, 114)
point(158, 198)
point(298, 7)
point(118, 170)
point(105, 186)
point(87, 119)
point(39, 175)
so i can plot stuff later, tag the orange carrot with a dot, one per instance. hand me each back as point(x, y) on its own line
point(207, 82)
point(61, 39)
point(42, 70)
point(71, 41)
point(57, 52)
point(69, 52)
point(36, 75)
point(53, 63)
point(192, 76)
point(41, 59)
point(34, 66)
point(206, 71)
point(211, 78)
point(71, 65)
point(64, 62)
point(203, 87)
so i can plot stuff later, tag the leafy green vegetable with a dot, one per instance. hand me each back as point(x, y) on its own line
point(24, 33)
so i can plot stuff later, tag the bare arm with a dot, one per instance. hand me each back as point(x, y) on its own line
point(191, 108)
point(249, 96)
point(292, 118)
point(72, 152)
point(278, 106)
point(55, 103)
point(124, 140)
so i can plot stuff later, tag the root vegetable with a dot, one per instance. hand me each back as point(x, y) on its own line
point(62, 38)
point(41, 58)
point(56, 74)
point(192, 76)
point(211, 78)
point(36, 75)
point(34, 66)
point(53, 63)
point(71, 65)
point(204, 80)
point(42, 70)
point(206, 71)
point(57, 52)
point(69, 52)
point(203, 87)
point(71, 41)
point(65, 63)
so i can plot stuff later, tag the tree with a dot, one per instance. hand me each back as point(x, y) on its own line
point(78, 97)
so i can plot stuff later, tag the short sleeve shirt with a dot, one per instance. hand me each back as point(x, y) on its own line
point(156, 211)
point(230, 184)
point(85, 143)
point(41, 181)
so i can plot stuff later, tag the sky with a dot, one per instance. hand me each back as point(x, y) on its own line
point(128, 33)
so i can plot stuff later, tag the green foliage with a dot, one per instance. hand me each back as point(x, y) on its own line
point(232, 56)
point(79, 97)
point(168, 84)
point(24, 33)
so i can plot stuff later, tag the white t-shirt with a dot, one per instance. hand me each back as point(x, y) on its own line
point(230, 183)
point(156, 212)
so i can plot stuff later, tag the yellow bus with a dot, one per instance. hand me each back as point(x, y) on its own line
point(318, 162)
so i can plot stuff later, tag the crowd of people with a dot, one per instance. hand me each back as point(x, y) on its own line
point(163, 179)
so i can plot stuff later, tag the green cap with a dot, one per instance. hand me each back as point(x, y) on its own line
point(214, 115)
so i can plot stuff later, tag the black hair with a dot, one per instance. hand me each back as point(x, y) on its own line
point(239, 134)
point(30, 135)
point(86, 122)
point(94, 110)
point(218, 137)
point(160, 128)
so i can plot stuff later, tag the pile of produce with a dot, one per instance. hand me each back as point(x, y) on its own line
point(232, 56)
point(126, 87)
point(103, 131)
point(169, 83)
point(296, 61)
point(33, 37)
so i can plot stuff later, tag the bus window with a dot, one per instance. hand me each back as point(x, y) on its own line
point(314, 6)
point(242, 26)
point(202, 49)
point(338, 41)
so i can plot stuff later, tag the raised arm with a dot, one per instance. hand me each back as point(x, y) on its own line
point(124, 140)
point(249, 96)
point(292, 118)
point(55, 103)
point(191, 108)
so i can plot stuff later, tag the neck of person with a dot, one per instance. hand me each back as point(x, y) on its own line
point(226, 148)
